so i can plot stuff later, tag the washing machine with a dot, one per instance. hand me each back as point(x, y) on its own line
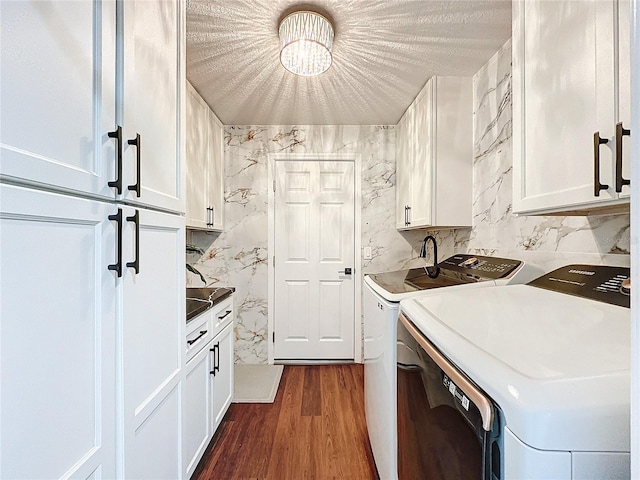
point(519, 381)
point(381, 297)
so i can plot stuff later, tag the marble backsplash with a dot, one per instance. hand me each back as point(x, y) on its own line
point(238, 256)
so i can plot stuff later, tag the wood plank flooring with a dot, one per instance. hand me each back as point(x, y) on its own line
point(315, 429)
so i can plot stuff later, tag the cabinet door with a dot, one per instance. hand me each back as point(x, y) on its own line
point(421, 141)
point(403, 170)
point(152, 98)
point(624, 86)
point(197, 409)
point(153, 331)
point(216, 171)
point(197, 158)
point(222, 382)
point(563, 76)
point(452, 155)
point(57, 64)
point(57, 316)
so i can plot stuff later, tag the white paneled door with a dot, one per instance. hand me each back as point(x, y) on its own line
point(314, 260)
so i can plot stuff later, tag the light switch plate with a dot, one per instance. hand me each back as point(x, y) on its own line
point(367, 253)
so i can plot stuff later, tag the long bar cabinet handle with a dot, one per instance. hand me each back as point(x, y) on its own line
point(136, 186)
point(135, 218)
point(117, 267)
point(117, 183)
point(597, 186)
point(620, 181)
point(216, 367)
point(225, 315)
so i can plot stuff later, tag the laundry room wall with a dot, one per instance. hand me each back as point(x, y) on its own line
point(238, 256)
point(547, 241)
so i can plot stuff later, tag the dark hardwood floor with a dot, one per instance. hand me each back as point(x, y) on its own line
point(315, 429)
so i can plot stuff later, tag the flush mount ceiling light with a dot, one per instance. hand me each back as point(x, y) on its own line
point(306, 39)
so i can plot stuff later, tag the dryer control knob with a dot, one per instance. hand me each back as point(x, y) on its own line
point(470, 262)
point(626, 286)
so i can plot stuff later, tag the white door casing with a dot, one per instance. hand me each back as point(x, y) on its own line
point(314, 240)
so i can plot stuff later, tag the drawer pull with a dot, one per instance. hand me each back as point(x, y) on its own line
point(191, 342)
point(225, 315)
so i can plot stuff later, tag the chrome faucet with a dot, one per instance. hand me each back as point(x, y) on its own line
point(432, 272)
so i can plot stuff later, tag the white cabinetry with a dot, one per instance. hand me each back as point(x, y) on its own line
point(434, 158)
point(72, 108)
point(152, 100)
point(58, 74)
point(222, 381)
point(571, 106)
point(58, 317)
point(153, 329)
point(197, 413)
point(209, 379)
point(205, 157)
point(92, 285)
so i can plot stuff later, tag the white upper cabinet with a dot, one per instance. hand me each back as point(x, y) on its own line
point(434, 157)
point(152, 99)
point(570, 105)
point(75, 96)
point(58, 76)
point(215, 175)
point(204, 165)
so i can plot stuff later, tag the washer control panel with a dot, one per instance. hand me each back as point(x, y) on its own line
point(596, 282)
point(481, 266)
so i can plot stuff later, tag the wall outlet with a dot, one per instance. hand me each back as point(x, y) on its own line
point(367, 253)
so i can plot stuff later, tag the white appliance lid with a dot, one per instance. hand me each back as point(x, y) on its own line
point(557, 365)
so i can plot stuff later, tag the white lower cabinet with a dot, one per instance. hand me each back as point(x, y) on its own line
point(208, 386)
point(58, 350)
point(92, 376)
point(222, 380)
point(153, 328)
point(197, 411)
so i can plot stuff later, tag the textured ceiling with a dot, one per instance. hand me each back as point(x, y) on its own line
point(383, 53)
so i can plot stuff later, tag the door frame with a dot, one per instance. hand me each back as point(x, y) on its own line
point(357, 277)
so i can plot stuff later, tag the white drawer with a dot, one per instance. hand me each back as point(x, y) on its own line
point(199, 333)
point(222, 315)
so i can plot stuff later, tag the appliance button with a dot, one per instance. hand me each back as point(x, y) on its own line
point(470, 262)
point(625, 287)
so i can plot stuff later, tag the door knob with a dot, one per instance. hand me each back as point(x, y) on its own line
point(346, 271)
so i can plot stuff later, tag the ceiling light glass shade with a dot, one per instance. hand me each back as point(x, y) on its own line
point(306, 39)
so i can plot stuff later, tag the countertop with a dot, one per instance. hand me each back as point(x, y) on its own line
point(199, 300)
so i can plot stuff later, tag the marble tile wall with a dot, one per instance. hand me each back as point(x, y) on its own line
point(238, 256)
point(548, 241)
